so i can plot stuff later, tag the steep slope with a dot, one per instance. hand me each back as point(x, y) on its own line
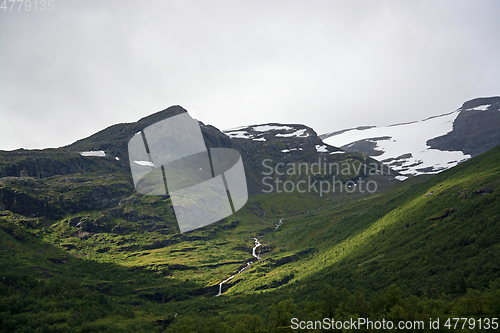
point(441, 233)
point(431, 145)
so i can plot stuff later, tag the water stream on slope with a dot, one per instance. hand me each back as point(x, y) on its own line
point(254, 253)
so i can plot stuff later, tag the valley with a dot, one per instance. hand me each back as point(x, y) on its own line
point(82, 251)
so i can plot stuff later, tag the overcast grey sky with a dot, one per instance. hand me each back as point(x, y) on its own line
point(86, 65)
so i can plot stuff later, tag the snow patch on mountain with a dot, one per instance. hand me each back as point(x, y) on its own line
point(481, 107)
point(99, 153)
point(404, 147)
point(301, 133)
point(261, 132)
point(290, 149)
point(145, 163)
point(321, 149)
point(239, 135)
point(266, 128)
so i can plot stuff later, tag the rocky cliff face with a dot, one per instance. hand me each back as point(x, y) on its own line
point(475, 130)
point(50, 162)
point(59, 195)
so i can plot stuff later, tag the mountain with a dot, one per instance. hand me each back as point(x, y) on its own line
point(82, 251)
point(88, 184)
point(416, 251)
point(431, 145)
point(106, 151)
point(269, 145)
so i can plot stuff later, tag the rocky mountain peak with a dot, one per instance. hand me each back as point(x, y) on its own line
point(269, 131)
point(476, 102)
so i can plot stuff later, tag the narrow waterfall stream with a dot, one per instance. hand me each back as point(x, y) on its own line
point(257, 244)
point(280, 222)
point(254, 253)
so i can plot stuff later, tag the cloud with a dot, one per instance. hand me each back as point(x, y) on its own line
point(69, 73)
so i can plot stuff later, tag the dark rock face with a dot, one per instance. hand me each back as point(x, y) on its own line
point(90, 224)
point(215, 138)
point(56, 196)
point(93, 225)
point(98, 198)
point(50, 162)
point(21, 203)
point(474, 131)
point(494, 101)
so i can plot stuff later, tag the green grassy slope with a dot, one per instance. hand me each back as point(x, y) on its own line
point(441, 234)
point(430, 238)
